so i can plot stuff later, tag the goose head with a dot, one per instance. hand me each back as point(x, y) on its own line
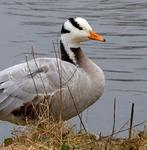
point(77, 30)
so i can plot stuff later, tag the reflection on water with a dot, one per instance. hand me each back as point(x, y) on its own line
point(123, 58)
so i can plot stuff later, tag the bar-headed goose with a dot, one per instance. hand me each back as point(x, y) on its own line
point(24, 87)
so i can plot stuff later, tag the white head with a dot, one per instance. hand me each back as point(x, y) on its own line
point(76, 30)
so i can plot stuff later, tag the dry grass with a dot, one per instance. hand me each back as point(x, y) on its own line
point(46, 135)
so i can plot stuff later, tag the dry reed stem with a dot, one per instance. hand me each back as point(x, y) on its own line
point(114, 116)
point(131, 121)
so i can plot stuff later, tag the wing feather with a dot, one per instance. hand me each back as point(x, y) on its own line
point(18, 84)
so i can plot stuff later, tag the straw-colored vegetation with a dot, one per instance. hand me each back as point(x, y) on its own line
point(51, 135)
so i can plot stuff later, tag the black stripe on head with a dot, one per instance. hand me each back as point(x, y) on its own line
point(63, 30)
point(75, 24)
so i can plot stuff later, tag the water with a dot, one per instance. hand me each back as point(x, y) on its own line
point(123, 58)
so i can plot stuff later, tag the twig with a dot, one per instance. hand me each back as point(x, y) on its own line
point(33, 83)
point(114, 116)
point(136, 125)
point(123, 126)
point(59, 70)
point(45, 90)
point(33, 54)
point(80, 121)
point(123, 130)
point(31, 75)
point(131, 121)
point(87, 119)
point(59, 67)
point(77, 109)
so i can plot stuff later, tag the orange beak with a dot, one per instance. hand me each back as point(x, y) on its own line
point(97, 37)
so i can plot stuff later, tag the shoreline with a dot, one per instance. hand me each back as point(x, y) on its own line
point(52, 135)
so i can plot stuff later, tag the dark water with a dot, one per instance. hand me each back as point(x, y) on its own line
point(24, 23)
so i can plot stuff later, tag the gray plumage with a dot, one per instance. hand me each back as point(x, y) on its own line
point(22, 83)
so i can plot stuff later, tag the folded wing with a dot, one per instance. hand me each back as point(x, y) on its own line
point(21, 83)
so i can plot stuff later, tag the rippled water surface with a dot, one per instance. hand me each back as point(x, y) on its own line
point(123, 58)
